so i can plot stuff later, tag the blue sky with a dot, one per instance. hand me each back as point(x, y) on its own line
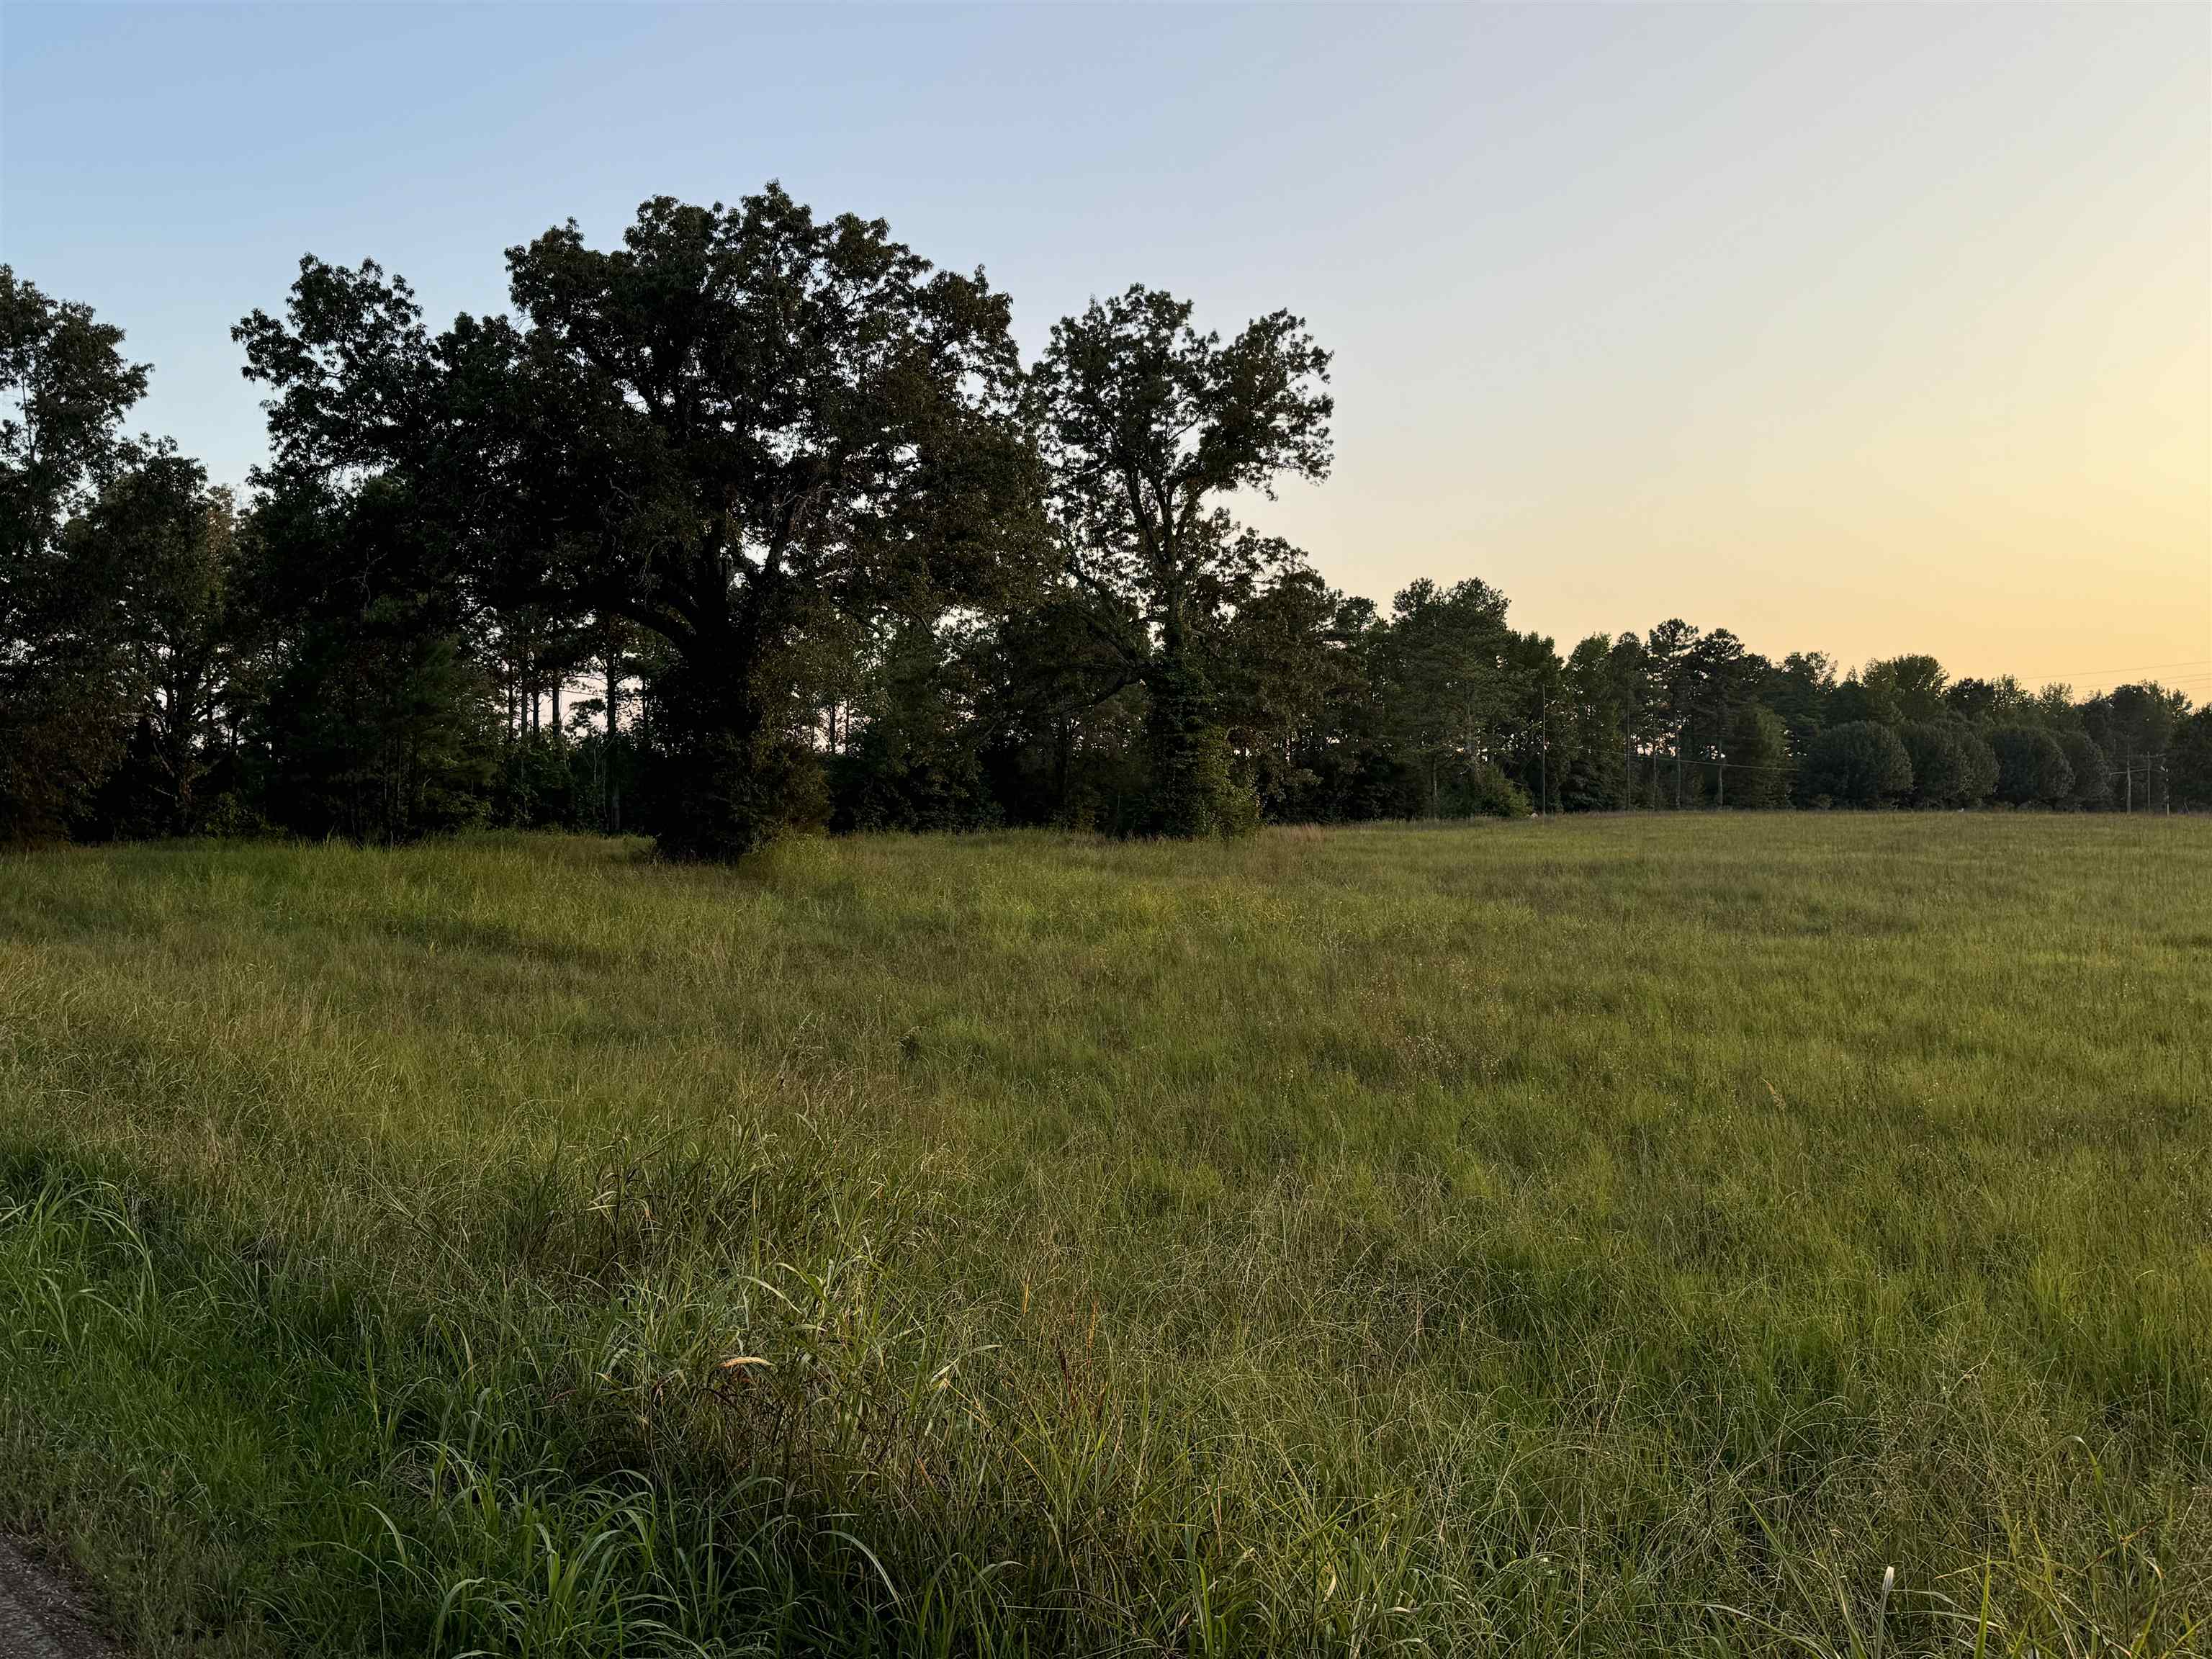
point(1873, 330)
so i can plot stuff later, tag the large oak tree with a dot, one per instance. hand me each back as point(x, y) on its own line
point(744, 423)
point(741, 427)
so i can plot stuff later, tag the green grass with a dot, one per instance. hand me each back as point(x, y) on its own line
point(1593, 1236)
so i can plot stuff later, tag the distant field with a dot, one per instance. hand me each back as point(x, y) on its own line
point(1597, 1236)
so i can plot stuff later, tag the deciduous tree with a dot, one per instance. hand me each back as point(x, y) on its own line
point(1145, 424)
point(66, 698)
point(1858, 763)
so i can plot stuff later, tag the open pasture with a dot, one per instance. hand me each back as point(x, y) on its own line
point(1580, 1236)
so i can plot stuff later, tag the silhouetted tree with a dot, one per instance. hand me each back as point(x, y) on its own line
point(2092, 772)
point(1145, 423)
point(161, 546)
point(2031, 767)
point(1757, 757)
point(1978, 762)
point(1902, 689)
point(1798, 689)
point(910, 758)
point(1987, 703)
point(1859, 763)
point(778, 494)
point(1940, 773)
point(1598, 716)
point(1446, 680)
point(1284, 669)
point(379, 720)
point(65, 696)
point(2135, 726)
point(806, 420)
point(2185, 780)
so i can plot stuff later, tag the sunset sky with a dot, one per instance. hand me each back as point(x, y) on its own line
point(1867, 330)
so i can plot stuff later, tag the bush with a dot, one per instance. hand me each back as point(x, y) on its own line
point(1860, 763)
point(2031, 768)
point(1494, 795)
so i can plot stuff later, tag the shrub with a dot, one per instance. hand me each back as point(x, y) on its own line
point(1485, 792)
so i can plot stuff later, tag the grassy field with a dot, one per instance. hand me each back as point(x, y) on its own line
point(1593, 1236)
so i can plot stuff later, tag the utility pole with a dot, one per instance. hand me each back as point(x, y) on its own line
point(610, 783)
point(1543, 751)
point(1723, 798)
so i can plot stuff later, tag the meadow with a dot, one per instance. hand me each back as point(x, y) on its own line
point(1715, 1233)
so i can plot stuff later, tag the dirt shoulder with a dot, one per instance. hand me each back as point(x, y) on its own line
point(41, 1617)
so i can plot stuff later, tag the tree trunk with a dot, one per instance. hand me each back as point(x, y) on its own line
point(610, 787)
point(1192, 792)
point(728, 780)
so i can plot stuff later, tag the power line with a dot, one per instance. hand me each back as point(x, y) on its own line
point(2047, 674)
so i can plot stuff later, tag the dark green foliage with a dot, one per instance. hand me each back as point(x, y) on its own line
point(909, 758)
point(1980, 763)
point(65, 702)
point(2185, 780)
point(742, 427)
point(536, 784)
point(1190, 787)
point(1481, 790)
point(378, 722)
point(162, 547)
point(2133, 722)
point(1942, 774)
point(2031, 767)
point(1799, 689)
point(1851, 703)
point(65, 691)
point(67, 387)
point(2092, 772)
point(810, 424)
point(1292, 677)
point(383, 733)
point(1598, 687)
point(1859, 763)
point(1145, 423)
point(1447, 686)
point(1060, 711)
point(721, 777)
point(1987, 703)
point(777, 496)
point(1904, 689)
point(1759, 767)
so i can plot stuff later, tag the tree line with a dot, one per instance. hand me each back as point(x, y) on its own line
point(759, 521)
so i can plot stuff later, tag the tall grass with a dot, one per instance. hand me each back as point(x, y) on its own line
point(1779, 1236)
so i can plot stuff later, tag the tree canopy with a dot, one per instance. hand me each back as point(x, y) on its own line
point(756, 520)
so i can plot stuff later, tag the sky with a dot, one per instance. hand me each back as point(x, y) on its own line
point(1867, 331)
